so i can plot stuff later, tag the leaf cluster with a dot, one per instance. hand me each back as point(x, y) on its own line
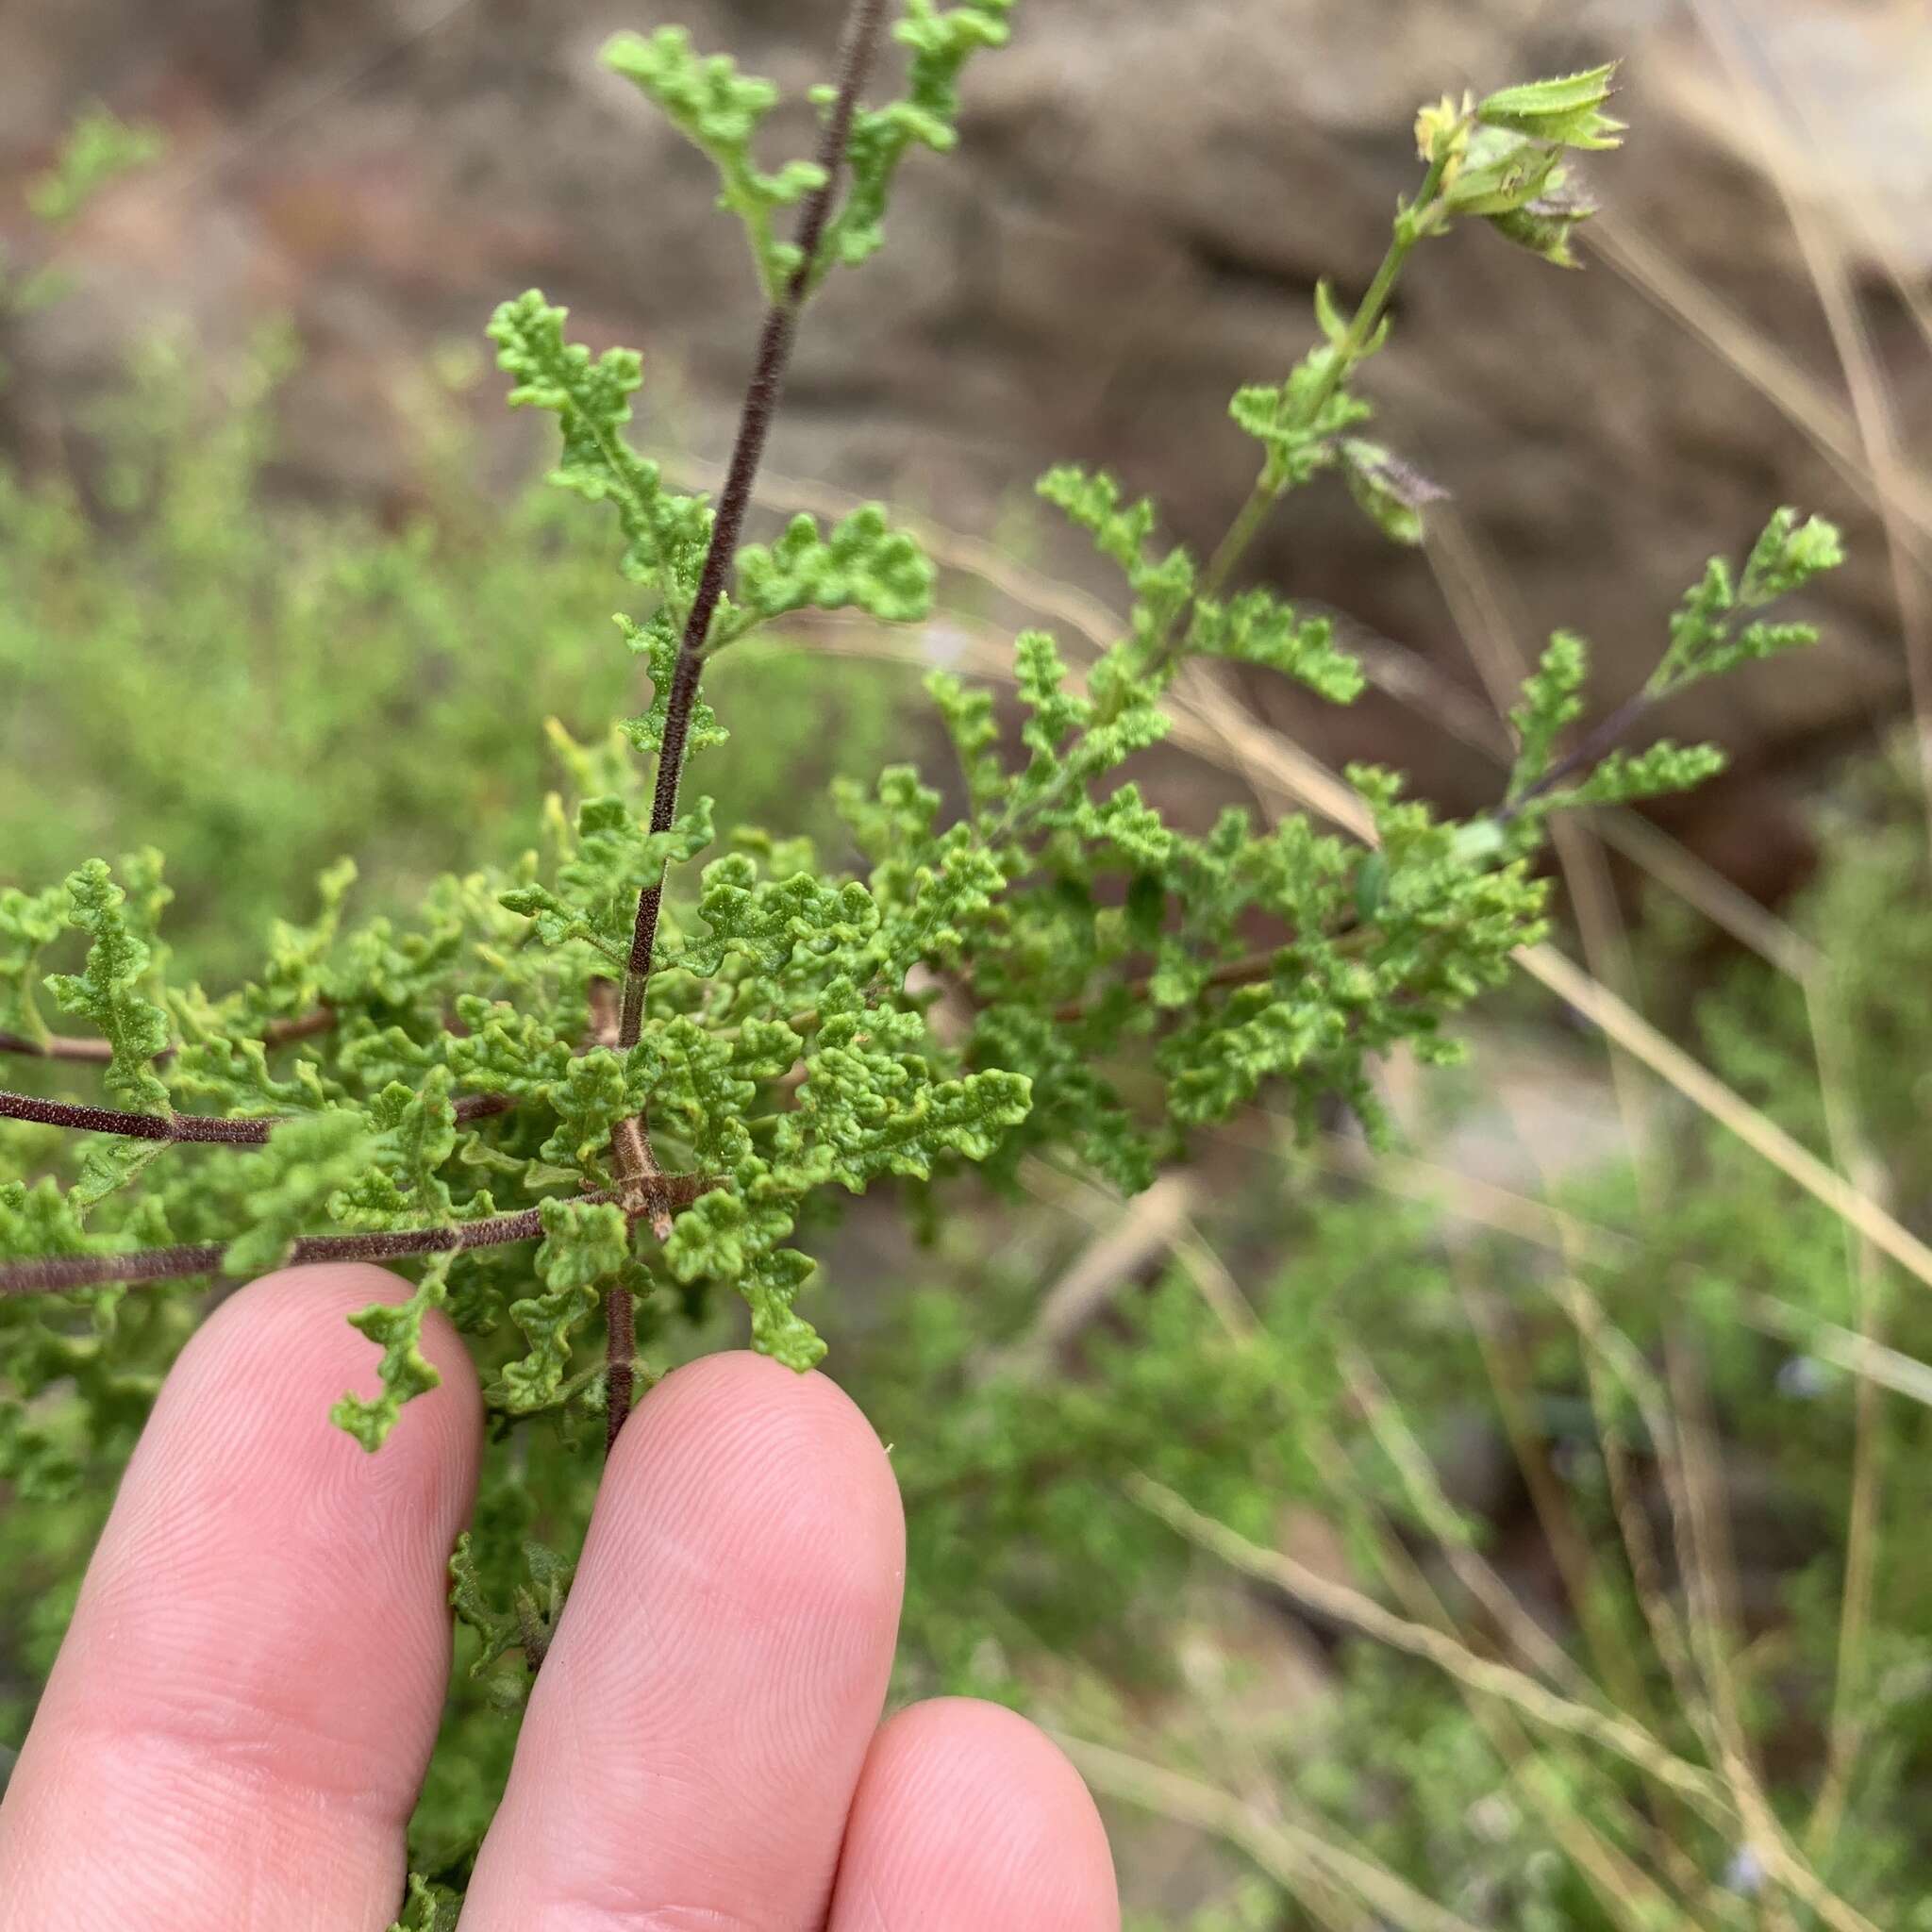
point(1036, 962)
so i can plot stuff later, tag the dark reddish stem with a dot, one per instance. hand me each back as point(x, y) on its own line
point(1589, 752)
point(57, 1274)
point(202, 1128)
point(753, 426)
point(620, 1383)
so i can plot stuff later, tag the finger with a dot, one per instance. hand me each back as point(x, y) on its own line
point(966, 1817)
point(241, 1714)
point(693, 1743)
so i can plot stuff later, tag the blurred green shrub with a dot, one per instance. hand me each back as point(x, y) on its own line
point(258, 686)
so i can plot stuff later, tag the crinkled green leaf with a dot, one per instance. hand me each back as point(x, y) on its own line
point(413, 1133)
point(770, 1286)
point(585, 1246)
point(29, 922)
point(1552, 702)
point(719, 110)
point(285, 1187)
point(942, 40)
point(1707, 637)
point(657, 643)
point(767, 921)
point(591, 1097)
point(405, 1372)
point(665, 534)
point(429, 1908)
point(863, 565)
point(108, 989)
point(1257, 628)
point(614, 857)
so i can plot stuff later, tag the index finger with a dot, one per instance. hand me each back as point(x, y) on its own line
point(242, 1711)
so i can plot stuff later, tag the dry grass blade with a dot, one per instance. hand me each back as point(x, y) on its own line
point(1289, 1854)
point(1553, 1782)
point(1843, 1348)
point(1612, 1732)
point(1698, 1084)
point(1804, 401)
point(1135, 1233)
point(1538, 1649)
point(1469, 588)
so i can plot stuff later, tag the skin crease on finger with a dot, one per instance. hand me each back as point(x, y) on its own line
point(966, 1819)
point(241, 1714)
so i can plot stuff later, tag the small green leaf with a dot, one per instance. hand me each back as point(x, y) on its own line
point(863, 565)
point(1551, 701)
point(108, 989)
point(586, 1245)
point(719, 110)
point(405, 1372)
point(100, 148)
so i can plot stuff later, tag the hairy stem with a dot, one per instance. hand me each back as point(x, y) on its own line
point(753, 426)
point(55, 1274)
point(208, 1128)
point(620, 1347)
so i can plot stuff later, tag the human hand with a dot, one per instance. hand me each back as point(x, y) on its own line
point(235, 1730)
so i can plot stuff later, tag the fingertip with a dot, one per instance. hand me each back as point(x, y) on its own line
point(280, 1353)
point(968, 1816)
point(794, 1453)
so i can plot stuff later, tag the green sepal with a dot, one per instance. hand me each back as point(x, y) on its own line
point(1566, 112)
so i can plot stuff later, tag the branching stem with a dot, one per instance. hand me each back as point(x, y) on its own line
point(58, 1274)
point(1588, 750)
point(753, 426)
point(1342, 357)
point(64, 1046)
point(202, 1128)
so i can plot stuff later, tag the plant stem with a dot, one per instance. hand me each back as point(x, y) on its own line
point(1588, 750)
point(56, 1275)
point(207, 1128)
point(780, 330)
point(620, 1347)
point(1342, 356)
point(63, 1046)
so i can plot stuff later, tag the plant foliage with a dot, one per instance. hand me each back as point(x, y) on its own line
point(660, 1043)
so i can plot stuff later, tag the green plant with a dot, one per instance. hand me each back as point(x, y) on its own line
point(669, 1087)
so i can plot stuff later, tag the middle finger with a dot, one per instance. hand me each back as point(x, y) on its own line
point(693, 1744)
